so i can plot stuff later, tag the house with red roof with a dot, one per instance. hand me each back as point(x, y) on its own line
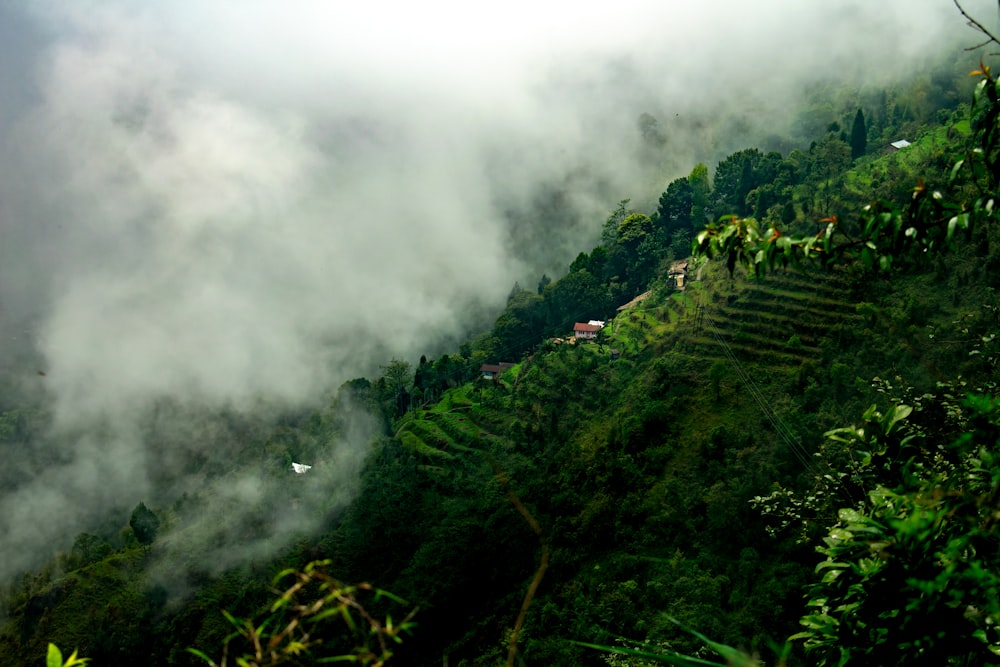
point(491, 371)
point(586, 330)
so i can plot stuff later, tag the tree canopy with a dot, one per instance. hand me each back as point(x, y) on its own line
point(144, 524)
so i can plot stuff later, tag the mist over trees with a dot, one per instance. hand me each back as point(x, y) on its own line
point(525, 489)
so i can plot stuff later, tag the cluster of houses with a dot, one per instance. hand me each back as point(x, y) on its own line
point(581, 331)
point(584, 331)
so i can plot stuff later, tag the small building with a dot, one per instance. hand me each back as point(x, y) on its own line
point(491, 371)
point(898, 145)
point(585, 330)
point(680, 266)
point(678, 271)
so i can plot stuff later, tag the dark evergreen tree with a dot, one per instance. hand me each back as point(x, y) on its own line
point(424, 376)
point(674, 210)
point(701, 189)
point(610, 230)
point(144, 524)
point(393, 388)
point(859, 136)
point(734, 178)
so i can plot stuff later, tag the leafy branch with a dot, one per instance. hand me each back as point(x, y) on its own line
point(292, 630)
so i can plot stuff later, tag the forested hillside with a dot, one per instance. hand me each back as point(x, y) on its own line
point(811, 376)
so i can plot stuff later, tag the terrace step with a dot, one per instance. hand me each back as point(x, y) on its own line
point(708, 346)
point(758, 319)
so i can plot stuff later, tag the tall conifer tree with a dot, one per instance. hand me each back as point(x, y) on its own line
point(859, 136)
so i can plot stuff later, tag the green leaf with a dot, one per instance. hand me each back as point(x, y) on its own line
point(831, 563)
point(818, 622)
point(345, 613)
point(849, 515)
point(867, 257)
point(956, 169)
point(841, 534)
point(284, 573)
point(236, 623)
point(831, 576)
point(379, 594)
point(900, 413)
point(200, 654)
point(316, 564)
point(339, 658)
point(73, 660)
point(295, 647)
point(54, 657)
point(960, 221)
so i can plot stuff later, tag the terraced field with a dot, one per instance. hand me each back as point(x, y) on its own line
point(445, 434)
point(781, 319)
point(778, 321)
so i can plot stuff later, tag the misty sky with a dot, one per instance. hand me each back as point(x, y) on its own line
point(229, 203)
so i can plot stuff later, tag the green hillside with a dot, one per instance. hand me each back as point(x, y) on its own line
point(614, 491)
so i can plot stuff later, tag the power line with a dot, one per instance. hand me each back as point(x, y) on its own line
point(783, 431)
point(791, 440)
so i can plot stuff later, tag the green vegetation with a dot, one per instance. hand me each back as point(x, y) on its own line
point(680, 471)
point(144, 523)
point(295, 626)
point(925, 537)
point(54, 658)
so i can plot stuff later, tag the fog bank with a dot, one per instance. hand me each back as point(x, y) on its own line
point(239, 205)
